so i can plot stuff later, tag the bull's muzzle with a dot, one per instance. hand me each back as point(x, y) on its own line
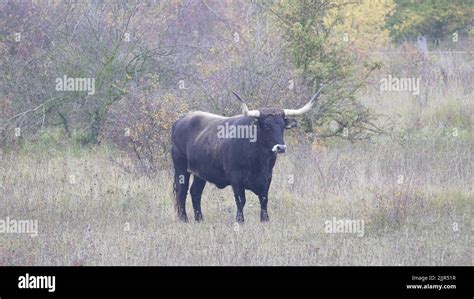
point(279, 148)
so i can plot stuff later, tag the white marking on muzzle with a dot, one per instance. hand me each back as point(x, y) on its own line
point(278, 146)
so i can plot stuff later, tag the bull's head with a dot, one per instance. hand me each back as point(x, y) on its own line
point(272, 122)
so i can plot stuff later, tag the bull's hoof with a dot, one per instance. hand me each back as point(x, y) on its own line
point(183, 218)
point(240, 218)
point(264, 217)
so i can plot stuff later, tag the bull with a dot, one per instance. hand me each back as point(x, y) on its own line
point(245, 163)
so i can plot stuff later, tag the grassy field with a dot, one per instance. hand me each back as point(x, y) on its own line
point(413, 192)
point(412, 189)
point(89, 92)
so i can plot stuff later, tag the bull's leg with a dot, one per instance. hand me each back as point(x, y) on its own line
point(263, 197)
point(263, 207)
point(181, 185)
point(239, 195)
point(196, 192)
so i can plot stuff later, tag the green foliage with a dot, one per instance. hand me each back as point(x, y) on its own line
point(84, 137)
point(319, 58)
point(435, 19)
point(51, 140)
point(361, 24)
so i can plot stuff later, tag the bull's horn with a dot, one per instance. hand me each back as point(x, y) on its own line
point(305, 108)
point(245, 109)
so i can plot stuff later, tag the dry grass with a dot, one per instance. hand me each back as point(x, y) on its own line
point(111, 217)
point(405, 224)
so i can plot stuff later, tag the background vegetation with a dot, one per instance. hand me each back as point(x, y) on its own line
point(94, 170)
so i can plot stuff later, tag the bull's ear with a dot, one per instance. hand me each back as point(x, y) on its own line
point(290, 123)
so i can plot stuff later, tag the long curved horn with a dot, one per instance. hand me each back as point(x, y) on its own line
point(305, 108)
point(245, 109)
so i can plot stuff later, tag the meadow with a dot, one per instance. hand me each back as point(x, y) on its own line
point(412, 188)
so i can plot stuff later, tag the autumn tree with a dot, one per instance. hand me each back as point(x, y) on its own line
point(360, 24)
point(320, 57)
point(435, 19)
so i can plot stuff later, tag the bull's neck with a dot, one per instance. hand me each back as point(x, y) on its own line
point(265, 158)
